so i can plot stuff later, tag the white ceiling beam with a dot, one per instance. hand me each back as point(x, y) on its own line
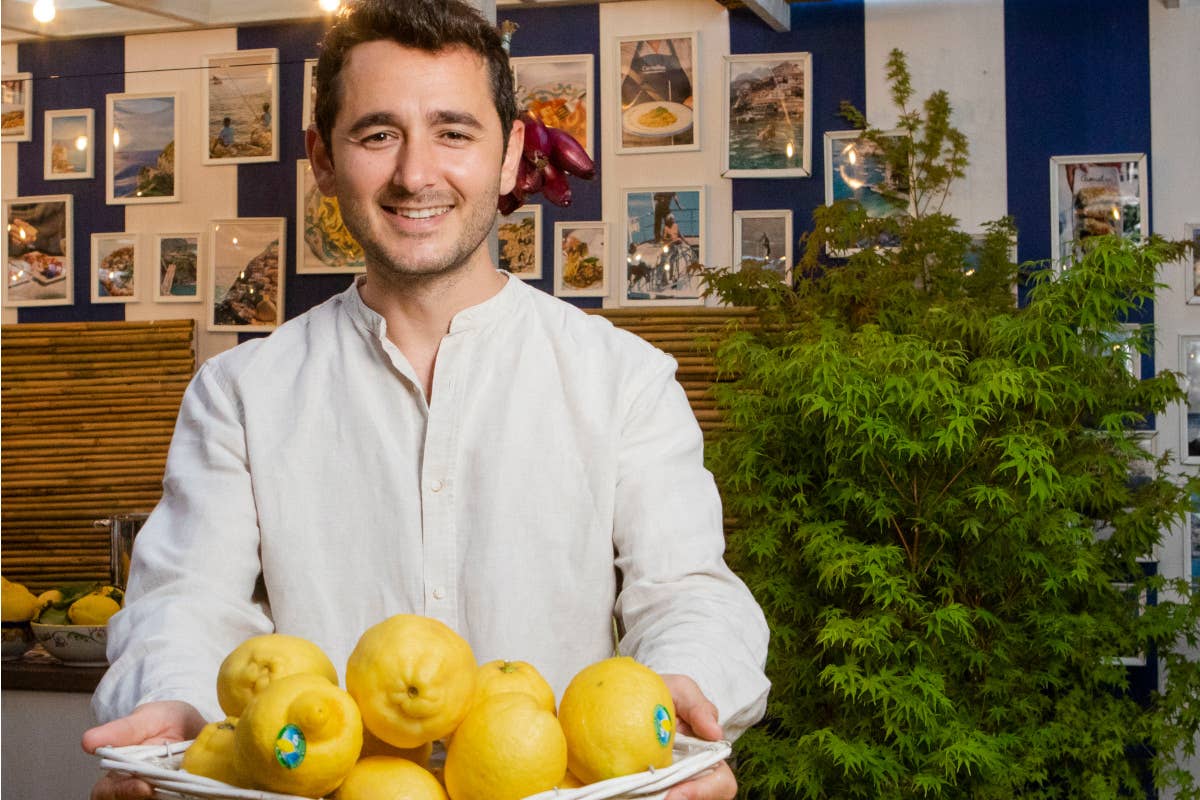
point(776, 13)
point(196, 12)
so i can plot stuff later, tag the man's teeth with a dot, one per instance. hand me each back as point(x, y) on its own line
point(422, 213)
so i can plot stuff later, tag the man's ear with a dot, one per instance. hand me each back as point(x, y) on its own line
point(512, 157)
point(321, 160)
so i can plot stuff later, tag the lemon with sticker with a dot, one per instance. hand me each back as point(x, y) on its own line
point(618, 718)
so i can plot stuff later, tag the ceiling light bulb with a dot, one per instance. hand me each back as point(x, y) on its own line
point(43, 10)
point(329, 5)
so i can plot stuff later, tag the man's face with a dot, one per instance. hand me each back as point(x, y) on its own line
point(418, 159)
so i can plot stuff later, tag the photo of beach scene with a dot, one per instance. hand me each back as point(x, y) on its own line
point(766, 119)
point(855, 169)
point(247, 275)
point(178, 267)
point(15, 104)
point(242, 94)
point(141, 148)
point(69, 144)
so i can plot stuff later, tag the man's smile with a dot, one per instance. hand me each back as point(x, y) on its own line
point(418, 213)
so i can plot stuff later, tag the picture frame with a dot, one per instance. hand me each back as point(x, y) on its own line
point(763, 239)
point(1137, 598)
point(582, 264)
point(241, 106)
point(69, 150)
point(16, 107)
point(245, 279)
point(178, 259)
point(140, 155)
point(658, 93)
point(520, 242)
point(323, 244)
point(38, 252)
point(1191, 544)
point(559, 91)
point(661, 265)
point(1189, 367)
point(767, 116)
point(1092, 195)
point(1191, 233)
point(308, 113)
point(854, 170)
point(114, 267)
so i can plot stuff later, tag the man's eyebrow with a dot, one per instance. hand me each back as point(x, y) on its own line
point(373, 119)
point(437, 117)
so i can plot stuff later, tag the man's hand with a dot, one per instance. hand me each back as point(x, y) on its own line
point(152, 723)
point(696, 716)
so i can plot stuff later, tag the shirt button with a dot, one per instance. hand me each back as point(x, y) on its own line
point(437, 486)
point(438, 593)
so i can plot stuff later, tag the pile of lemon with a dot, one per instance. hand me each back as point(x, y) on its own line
point(70, 604)
point(412, 681)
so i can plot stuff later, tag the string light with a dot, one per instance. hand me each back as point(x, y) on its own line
point(43, 11)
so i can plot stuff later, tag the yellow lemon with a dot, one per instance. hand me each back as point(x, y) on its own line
point(389, 778)
point(498, 677)
point(508, 747)
point(299, 735)
point(211, 754)
point(252, 665)
point(413, 679)
point(569, 781)
point(49, 597)
point(374, 746)
point(92, 609)
point(17, 603)
point(618, 718)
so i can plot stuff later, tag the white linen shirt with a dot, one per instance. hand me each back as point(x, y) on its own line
point(555, 479)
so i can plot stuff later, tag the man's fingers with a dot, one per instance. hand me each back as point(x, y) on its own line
point(119, 732)
point(719, 784)
point(121, 787)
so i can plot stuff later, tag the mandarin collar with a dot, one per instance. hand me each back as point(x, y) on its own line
point(497, 307)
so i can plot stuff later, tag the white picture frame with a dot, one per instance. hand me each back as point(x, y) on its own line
point(323, 244)
point(519, 237)
point(309, 110)
point(114, 267)
point(576, 244)
point(241, 107)
point(16, 93)
point(852, 171)
point(763, 95)
point(559, 90)
point(656, 272)
point(141, 154)
point(764, 238)
point(641, 126)
point(39, 252)
point(247, 258)
point(1189, 368)
point(1098, 194)
point(69, 149)
point(178, 267)
point(1191, 233)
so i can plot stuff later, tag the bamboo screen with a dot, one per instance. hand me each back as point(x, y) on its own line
point(86, 415)
point(689, 334)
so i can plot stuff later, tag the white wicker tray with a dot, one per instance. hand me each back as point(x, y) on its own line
point(158, 765)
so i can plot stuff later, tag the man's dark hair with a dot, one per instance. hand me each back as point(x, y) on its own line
point(429, 25)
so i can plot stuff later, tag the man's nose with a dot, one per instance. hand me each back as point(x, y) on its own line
point(415, 167)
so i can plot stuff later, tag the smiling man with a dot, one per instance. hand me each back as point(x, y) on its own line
point(438, 439)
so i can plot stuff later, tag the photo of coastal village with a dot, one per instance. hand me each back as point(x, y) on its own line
point(246, 279)
point(767, 116)
point(141, 148)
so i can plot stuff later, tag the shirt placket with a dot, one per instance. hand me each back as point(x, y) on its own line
point(439, 536)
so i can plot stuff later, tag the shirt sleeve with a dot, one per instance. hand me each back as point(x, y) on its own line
point(191, 595)
point(681, 609)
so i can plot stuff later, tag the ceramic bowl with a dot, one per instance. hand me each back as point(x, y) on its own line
point(17, 638)
point(76, 645)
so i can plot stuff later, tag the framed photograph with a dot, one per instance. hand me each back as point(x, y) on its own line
point(581, 260)
point(1136, 599)
point(664, 246)
point(177, 272)
point(38, 255)
point(1192, 234)
point(1189, 366)
point(763, 239)
point(139, 147)
point(768, 116)
point(658, 93)
point(16, 97)
point(246, 278)
point(1094, 196)
point(308, 115)
point(558, 91)
point(323, 245)
point(70, 145)
point(520, 239)
point(855, 169)
point(241, 98)
point(114, 267)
